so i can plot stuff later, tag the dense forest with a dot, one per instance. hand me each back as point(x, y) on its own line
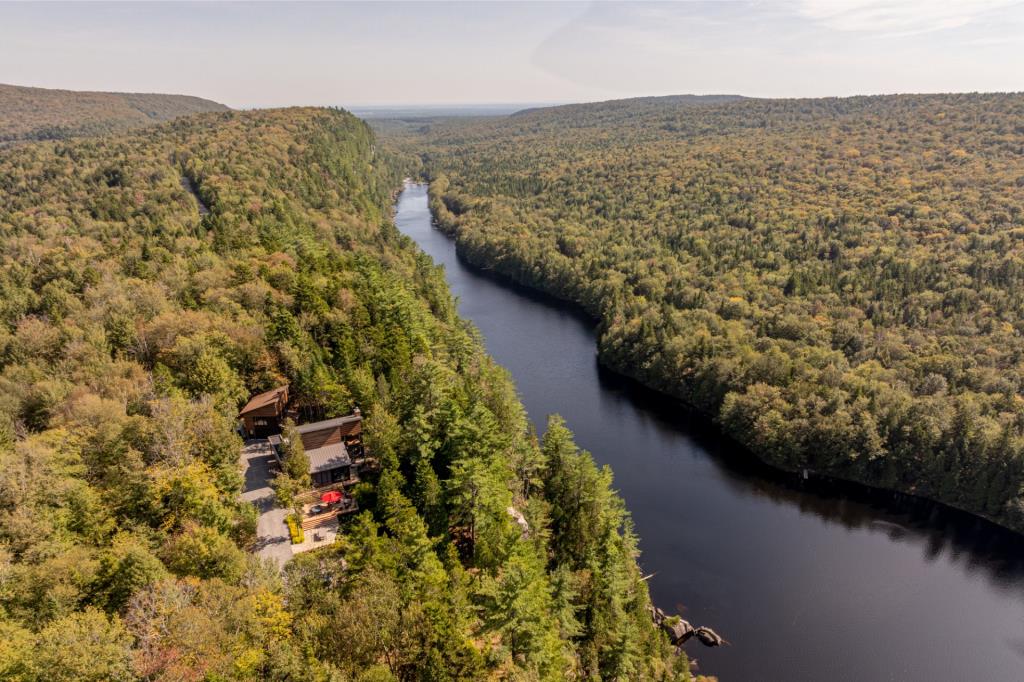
point(838, 282)
point(133, 326)
point(43, 114)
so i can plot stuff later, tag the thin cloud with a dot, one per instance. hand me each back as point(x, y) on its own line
point(795, 49)
point(894, 18)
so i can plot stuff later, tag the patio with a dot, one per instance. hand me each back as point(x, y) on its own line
point(320, 518)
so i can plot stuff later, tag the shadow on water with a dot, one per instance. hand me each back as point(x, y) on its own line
point(941, 530)
point(565, 308)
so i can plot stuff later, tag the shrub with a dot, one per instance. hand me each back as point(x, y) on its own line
point(295, 529)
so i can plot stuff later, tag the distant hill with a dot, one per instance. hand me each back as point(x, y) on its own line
point(43, 114)
point(421, 111)
point(631, 104)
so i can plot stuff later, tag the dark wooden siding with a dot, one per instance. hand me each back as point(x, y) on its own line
point(318, 439)
point(273, 410)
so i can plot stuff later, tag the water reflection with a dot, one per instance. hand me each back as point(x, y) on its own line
point(940, 530)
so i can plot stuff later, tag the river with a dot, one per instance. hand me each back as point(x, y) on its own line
point(808, 581)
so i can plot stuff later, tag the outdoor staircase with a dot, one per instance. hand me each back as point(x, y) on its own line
point(319, 521)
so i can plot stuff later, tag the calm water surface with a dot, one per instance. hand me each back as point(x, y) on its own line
point(807, 581)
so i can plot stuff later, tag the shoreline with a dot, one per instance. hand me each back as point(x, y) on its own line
point(798, 476)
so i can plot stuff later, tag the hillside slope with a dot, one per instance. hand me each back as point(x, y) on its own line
point(836, 281)
point(132, 328)
point(42, 114)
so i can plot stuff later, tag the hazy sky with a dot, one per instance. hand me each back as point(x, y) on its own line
point(415, 53)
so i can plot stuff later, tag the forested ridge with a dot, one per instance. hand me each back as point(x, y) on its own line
point(45, 114)
point(132, 328)
point(836, 281)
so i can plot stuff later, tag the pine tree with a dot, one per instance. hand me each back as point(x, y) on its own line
point(295, 461)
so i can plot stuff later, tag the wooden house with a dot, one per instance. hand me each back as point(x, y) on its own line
point(263, 414)
point(330, 446)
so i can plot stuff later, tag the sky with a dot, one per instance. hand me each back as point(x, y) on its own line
point(372, 54)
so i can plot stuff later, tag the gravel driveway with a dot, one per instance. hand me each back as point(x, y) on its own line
point(272, 541)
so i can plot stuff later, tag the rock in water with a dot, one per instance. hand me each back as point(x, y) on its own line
point(678, 630)
point(708, 637)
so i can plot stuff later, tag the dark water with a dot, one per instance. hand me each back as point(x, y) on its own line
point(807, 581)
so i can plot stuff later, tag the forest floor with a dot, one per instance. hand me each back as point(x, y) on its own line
point(272, 541)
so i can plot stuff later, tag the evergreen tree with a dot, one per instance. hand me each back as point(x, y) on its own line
point(295, 462)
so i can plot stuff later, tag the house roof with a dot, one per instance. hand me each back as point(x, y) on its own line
point(349, 420)
point(329, 424)
point(320, 459)
point(263, 399)
point(328, 457)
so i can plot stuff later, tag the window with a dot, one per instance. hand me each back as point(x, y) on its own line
point(259, 422)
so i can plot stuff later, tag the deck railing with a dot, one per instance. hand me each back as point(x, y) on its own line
point(310, 522)
point(313, 495)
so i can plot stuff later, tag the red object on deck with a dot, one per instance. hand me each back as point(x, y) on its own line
point(331, 496)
